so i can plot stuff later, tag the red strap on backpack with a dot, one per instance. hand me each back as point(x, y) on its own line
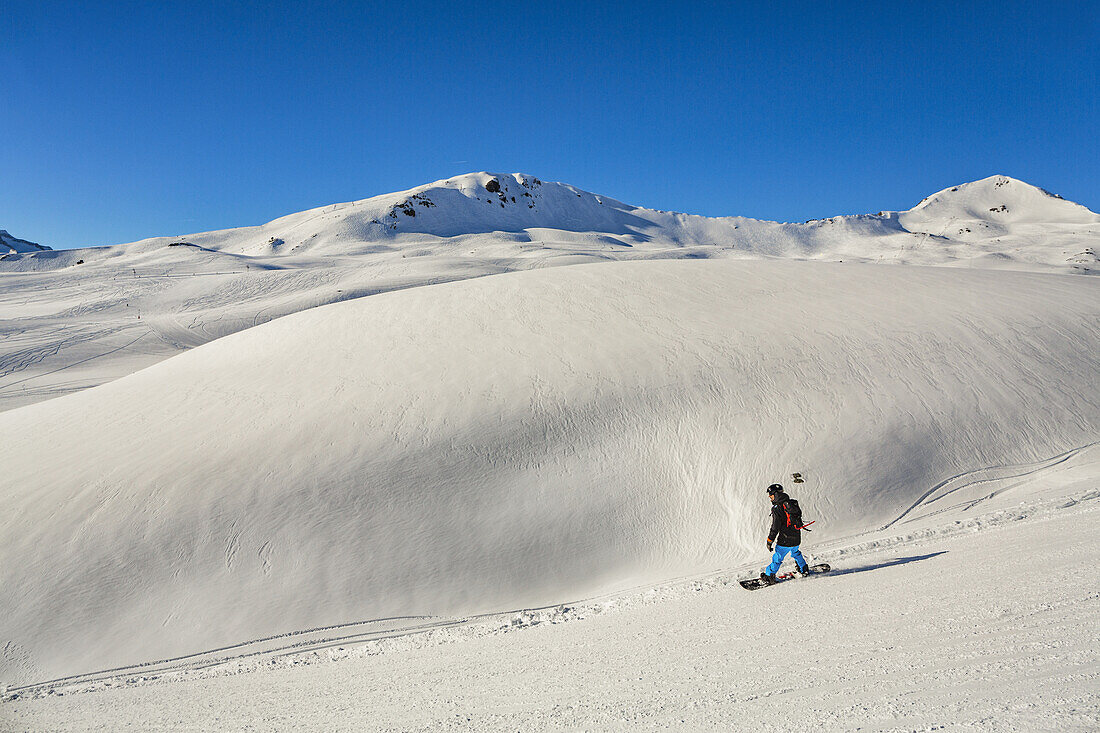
point(787, 511)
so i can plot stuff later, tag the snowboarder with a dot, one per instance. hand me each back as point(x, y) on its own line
point(785, 533)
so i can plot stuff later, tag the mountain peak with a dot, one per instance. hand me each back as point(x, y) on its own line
point(9, 244)
point(473, 203)
point(999, 191)
point(988, 206)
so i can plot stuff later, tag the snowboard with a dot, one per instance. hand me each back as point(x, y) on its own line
point(754, 583)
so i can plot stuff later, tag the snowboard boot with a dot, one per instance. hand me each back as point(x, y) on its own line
point(768, 579)
point(804, 571)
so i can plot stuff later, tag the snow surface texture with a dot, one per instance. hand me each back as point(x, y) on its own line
point(374, 479)
point(952, 620)
point(513, 441)
point(74, 319)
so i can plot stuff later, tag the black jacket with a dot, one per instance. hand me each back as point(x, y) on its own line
point(783, 535)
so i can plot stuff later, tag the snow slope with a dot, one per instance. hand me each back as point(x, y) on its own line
point(73, 319)
point(515, 441)
point(978, 624)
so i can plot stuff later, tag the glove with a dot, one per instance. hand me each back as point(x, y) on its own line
point(769, 545)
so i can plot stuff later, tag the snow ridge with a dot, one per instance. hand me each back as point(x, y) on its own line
point(14, 244)
point(997, 222)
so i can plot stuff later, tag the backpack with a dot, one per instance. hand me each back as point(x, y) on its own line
point(794, 515)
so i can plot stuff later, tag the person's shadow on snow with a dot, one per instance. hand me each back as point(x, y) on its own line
point(891, 563)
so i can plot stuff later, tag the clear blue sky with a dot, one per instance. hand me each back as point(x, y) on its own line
point(125, 120)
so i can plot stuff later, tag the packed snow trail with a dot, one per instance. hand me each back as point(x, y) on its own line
point(1050, 488)
point(982, 627)
point(514, 441)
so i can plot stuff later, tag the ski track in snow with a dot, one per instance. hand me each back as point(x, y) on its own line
point(980, 476)
point(377, 636)
point(1010, 660)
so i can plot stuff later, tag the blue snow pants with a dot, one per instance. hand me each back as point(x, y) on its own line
point(780, 553)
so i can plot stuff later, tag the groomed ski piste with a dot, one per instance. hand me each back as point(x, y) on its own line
point(523, 501)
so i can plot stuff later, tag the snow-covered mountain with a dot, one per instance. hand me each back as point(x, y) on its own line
point(481, 216)
point(1001, 219)
point(77, 318)
point(9, 244)
point(386, 442)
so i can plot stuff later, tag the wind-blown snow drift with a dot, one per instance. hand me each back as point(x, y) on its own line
point(514, 440)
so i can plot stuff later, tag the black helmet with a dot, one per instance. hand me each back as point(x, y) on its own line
point(774, 489)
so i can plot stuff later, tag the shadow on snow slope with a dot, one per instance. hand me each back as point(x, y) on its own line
point(512, 442)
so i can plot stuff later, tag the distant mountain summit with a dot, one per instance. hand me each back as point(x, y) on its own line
point(507, 221)
point(471, 204)
point(9, 244)
point(192, 288)
point(997, 221)
point(992, 206)
point(481, 202)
